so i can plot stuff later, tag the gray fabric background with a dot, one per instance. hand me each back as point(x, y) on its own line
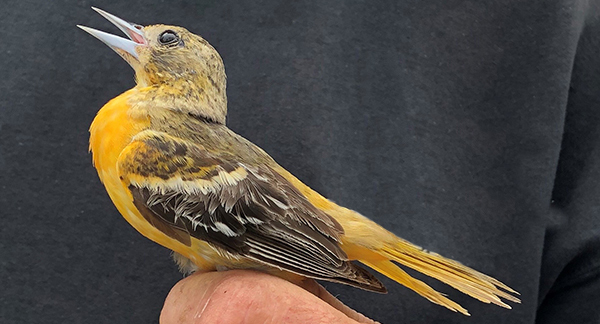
point(442, 120)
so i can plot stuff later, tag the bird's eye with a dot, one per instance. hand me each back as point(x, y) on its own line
point(168, 37)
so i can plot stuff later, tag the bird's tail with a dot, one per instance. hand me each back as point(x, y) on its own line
point(471, 282)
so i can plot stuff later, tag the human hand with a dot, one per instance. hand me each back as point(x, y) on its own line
point(242, 296)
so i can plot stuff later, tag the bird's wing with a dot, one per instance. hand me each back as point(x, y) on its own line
point(245, 210)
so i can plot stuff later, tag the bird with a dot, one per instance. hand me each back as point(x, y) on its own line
point(184, 180)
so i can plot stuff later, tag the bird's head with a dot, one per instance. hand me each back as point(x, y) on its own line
point(171, 64)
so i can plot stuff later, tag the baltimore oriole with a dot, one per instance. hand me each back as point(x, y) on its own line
point(184, 180)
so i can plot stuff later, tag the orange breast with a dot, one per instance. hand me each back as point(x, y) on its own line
point(110, 132)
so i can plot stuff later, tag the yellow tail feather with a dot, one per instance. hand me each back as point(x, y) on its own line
point(392, 271)
point(463, 278)
point(471, 282)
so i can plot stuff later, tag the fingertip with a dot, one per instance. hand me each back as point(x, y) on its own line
point(181, 303)
point(202, 297)
point(243, 296)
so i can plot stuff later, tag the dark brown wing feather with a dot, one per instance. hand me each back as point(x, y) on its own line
point(249, 211)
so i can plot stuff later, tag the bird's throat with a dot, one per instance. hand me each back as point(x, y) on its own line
point(201, 97)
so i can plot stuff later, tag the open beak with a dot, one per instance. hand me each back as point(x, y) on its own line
point(124, 47)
